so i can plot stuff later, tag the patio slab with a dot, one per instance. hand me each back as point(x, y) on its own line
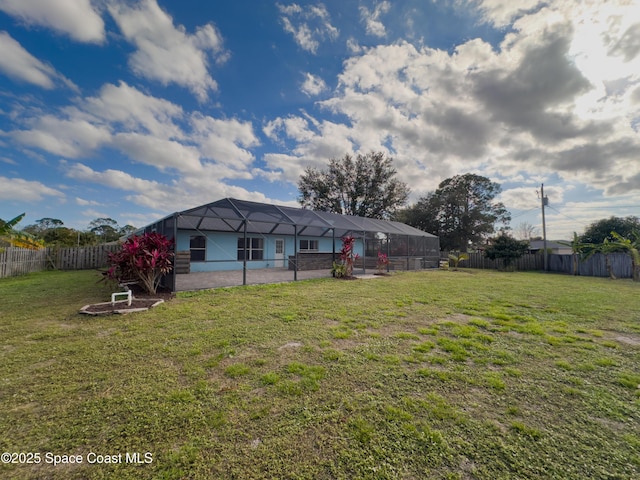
point(205, 280)
point(232, 278)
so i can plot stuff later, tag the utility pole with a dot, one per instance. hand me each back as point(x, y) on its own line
point(544, 202)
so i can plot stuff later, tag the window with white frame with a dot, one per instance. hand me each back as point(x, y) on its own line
point(254, 247)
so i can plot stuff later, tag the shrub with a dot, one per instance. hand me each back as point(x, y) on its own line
point(506, 248)
point(144, 259)
point(344, 269)
point(383, 261)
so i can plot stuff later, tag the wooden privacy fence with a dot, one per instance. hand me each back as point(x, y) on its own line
point(595, 266)
point(20, 261)
point(478, 260)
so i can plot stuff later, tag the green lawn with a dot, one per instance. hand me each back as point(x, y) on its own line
point(435, 374)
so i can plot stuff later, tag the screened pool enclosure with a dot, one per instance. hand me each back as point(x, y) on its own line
point(237, 242)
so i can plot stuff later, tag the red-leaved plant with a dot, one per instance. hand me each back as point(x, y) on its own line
point(347, 254)
point(144, 259)
point(383, 261)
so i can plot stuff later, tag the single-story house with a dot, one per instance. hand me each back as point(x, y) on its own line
point(537, 246)
point(232, 234)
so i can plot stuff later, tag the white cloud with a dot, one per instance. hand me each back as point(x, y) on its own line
point(134, 110)
point(86, 203)
point(19, 64)
point(109, 178)
point(309, 25)
point(222, 140)
point(316, 142)
point(68, 138)
point(501, 13)
point(158, 152)
point(527, 198)
point(371, 19)
point(187, 192)
point(147, 130)
point(167, 53)
point(21, 190)
point(527, 106)
point(353, 46)
point(313, 85)
point(76, 18)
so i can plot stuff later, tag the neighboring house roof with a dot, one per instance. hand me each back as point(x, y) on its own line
point(539, 245)
point(231, 215)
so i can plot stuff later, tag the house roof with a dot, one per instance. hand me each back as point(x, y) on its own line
point(231, 215)
point(539, 245)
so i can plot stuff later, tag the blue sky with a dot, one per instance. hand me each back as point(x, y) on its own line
point(133, 110)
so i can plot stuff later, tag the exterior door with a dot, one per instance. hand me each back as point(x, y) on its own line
point(279, 256)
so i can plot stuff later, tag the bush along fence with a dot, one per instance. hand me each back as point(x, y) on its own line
point(20, 261)
point(595, 266)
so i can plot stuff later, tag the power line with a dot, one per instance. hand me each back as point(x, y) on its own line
point(524, 213)
point(566, 216)
point(611, 206)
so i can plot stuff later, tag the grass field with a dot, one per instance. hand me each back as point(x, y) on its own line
point(444, 375)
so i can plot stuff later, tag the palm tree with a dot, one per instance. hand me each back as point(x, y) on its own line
point(632, 247)
point(456, 259)
point(605, 248)
point(15, 238)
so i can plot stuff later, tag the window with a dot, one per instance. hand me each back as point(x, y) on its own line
point(308, 246)
point(254, 248)
point(198, 248)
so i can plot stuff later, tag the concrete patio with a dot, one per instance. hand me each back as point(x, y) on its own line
point(232, 278)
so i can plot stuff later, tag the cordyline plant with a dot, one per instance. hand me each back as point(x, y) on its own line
point(144, 259)
point(347, 255)
point(382, 262)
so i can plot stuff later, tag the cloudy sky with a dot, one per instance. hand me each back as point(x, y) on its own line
point(133, 110)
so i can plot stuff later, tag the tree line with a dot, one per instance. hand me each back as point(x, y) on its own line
point(51, 232)
point(462, 211)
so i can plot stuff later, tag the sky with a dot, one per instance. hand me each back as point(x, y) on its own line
point(134, 110)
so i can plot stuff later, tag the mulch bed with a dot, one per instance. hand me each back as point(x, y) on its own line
point(141, 301)
point(120, 305)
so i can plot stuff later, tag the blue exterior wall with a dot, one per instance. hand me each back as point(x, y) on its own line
point(222, 249)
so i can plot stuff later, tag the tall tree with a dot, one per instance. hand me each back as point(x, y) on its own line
point(127, 230)
point(526, 231)
point(365, 186)
point(105, 228)
point(48, 223)
point(599, 231)
point(462, 211)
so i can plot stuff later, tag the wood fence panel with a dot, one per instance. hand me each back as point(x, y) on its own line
point(20, 261)
point(82, 258)
point(595, 266)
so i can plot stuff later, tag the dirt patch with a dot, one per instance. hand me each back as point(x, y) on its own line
point(457, 317)
point(290, 345)
point(635, 341)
